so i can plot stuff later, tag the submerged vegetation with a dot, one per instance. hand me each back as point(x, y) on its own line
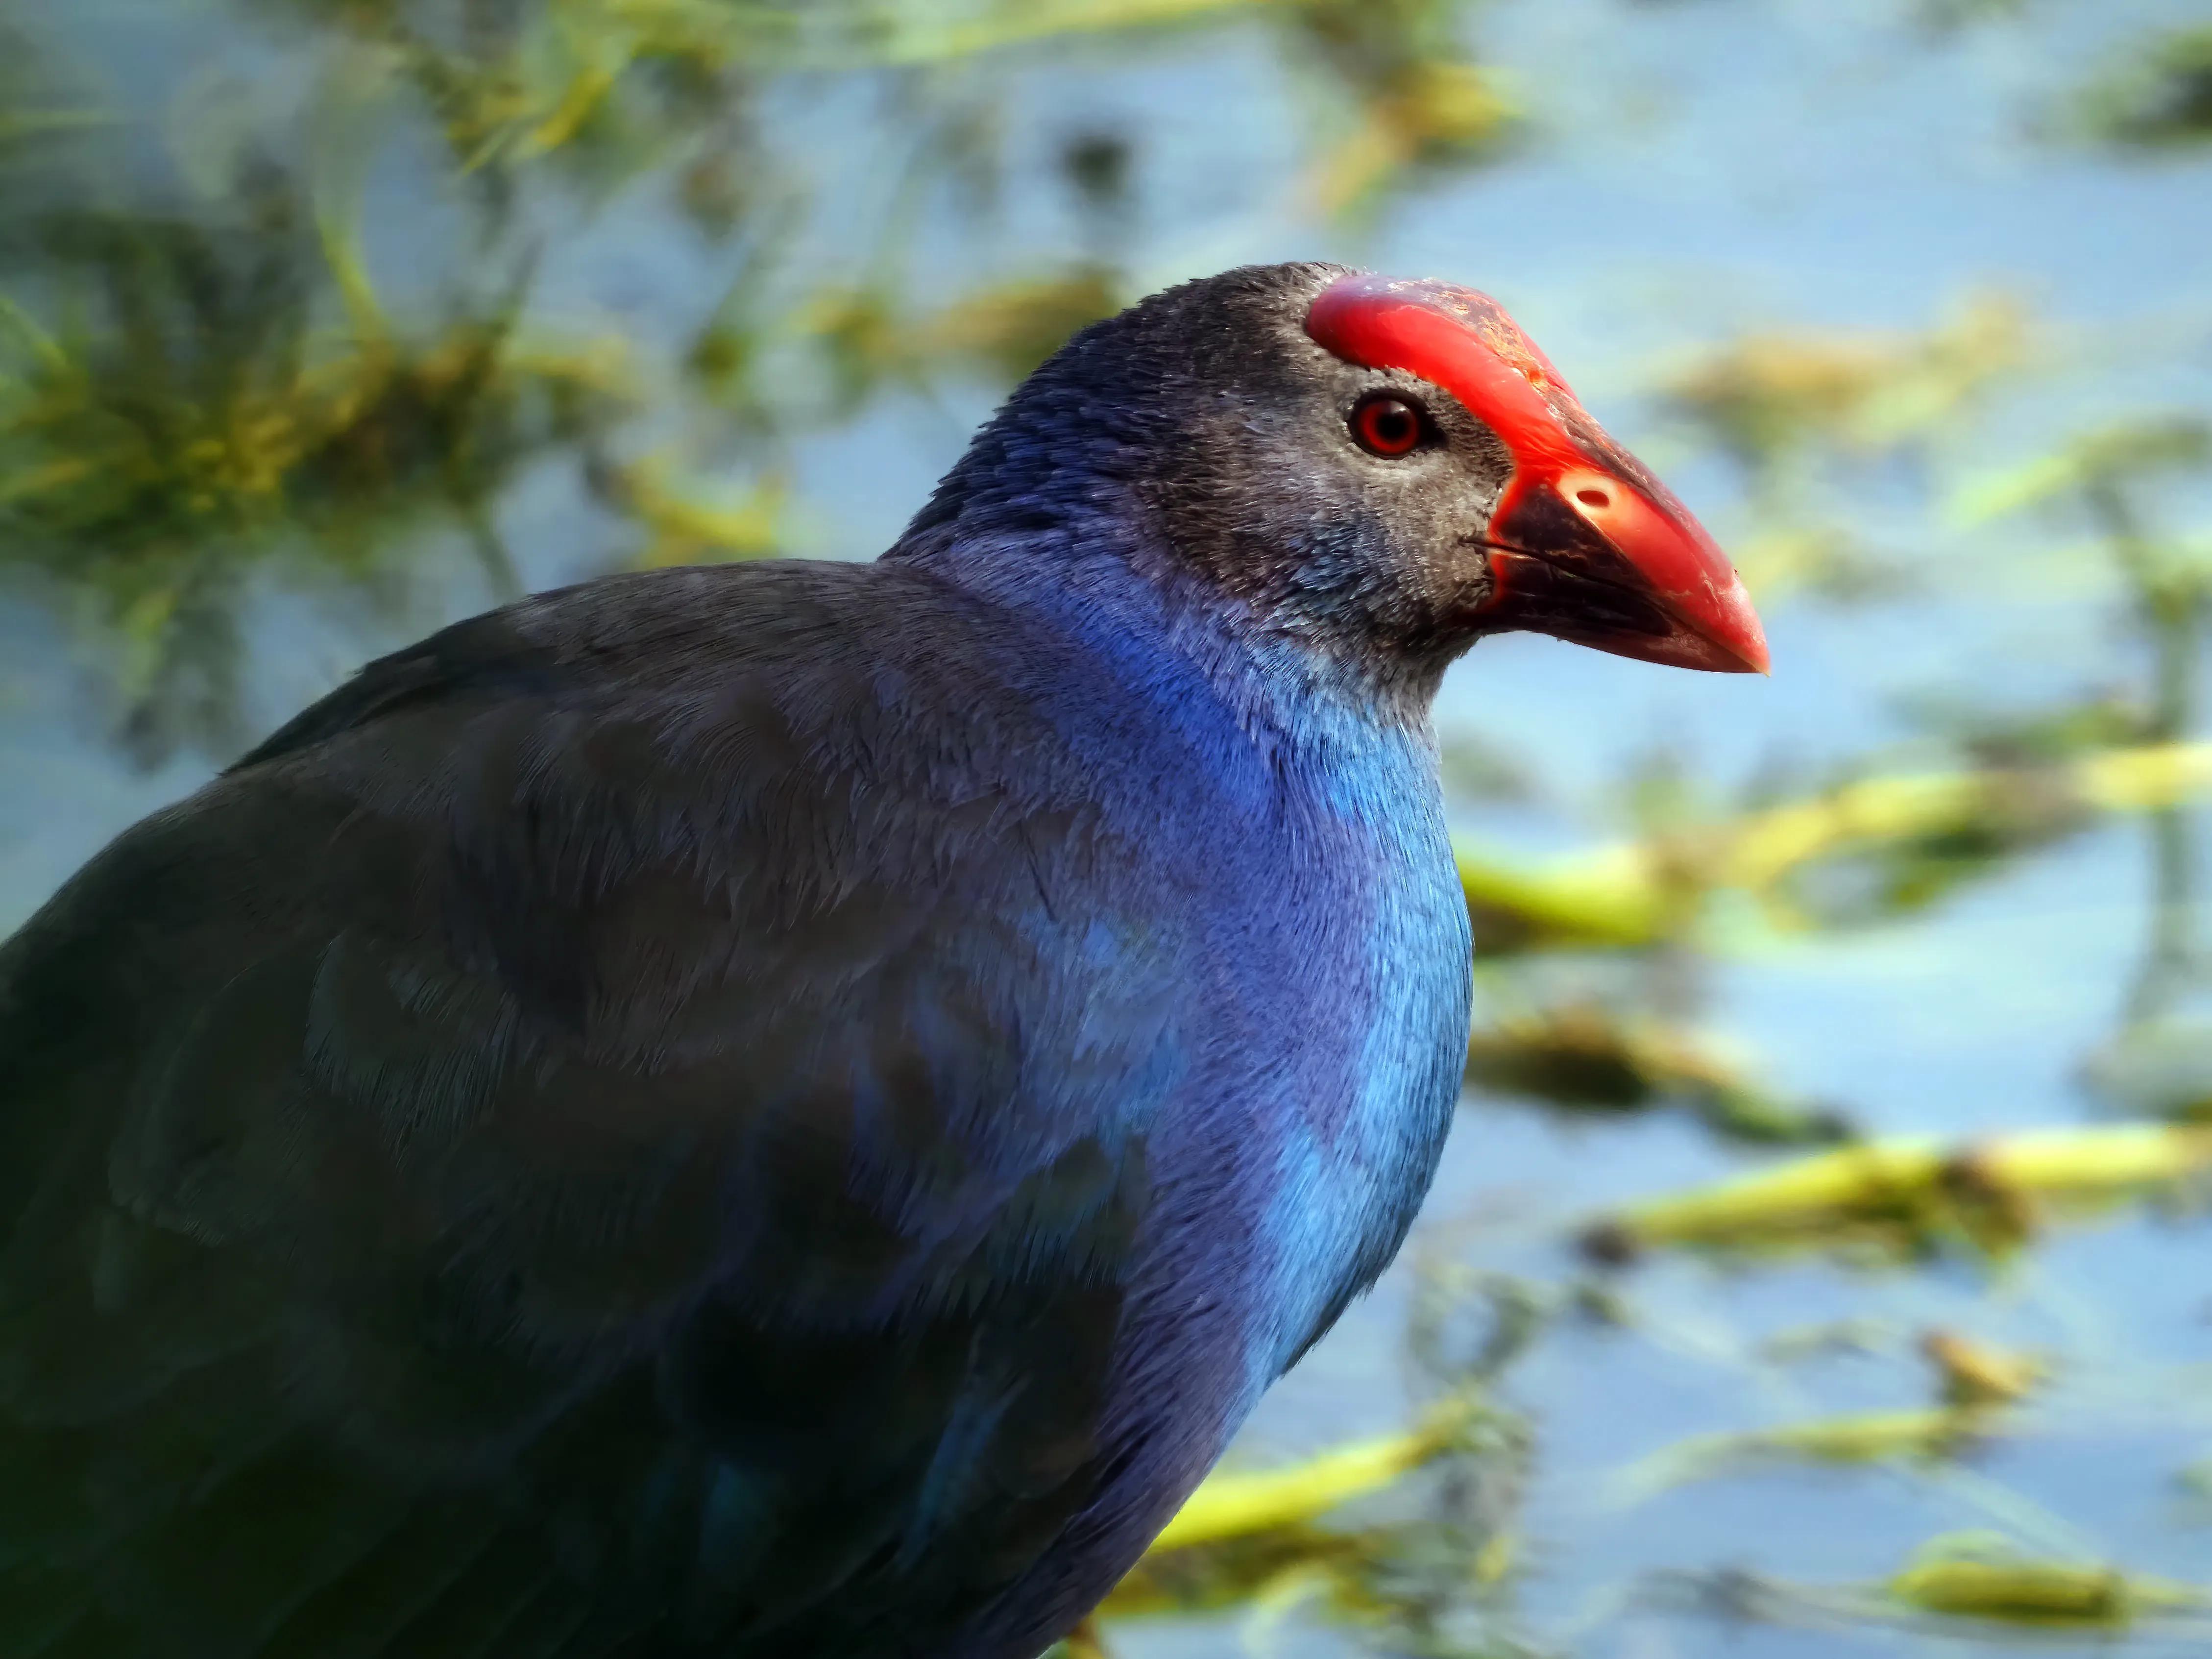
point(199, 371)
point(364, 313)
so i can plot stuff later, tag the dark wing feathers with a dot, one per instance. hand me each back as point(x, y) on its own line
point(578, 1145)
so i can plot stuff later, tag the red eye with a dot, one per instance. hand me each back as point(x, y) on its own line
point(1387, 426)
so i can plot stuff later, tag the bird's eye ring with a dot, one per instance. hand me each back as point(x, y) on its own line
point(1386, 424)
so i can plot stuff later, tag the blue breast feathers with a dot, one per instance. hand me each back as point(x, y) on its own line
point(1355, 1163)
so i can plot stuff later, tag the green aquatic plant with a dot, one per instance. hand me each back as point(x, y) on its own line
point(187, 422)
point(1639, 894)
point(1583, 1056)
point(2157, 97)
point(202, 387)
point(1972, 1586)
point(1994, 1191)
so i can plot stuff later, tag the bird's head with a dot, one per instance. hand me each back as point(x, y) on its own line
point(1377, 464)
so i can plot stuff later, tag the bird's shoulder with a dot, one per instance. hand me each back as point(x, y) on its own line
point(828, 631)
point(680, 858)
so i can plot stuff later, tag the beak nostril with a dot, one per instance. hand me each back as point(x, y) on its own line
point(1593, 498)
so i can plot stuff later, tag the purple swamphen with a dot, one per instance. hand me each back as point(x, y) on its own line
point(792, 1108)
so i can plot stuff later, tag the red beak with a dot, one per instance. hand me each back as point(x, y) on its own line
point(1584, 543)
point(1601, 554)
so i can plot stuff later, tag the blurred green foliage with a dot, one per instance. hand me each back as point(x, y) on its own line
point(2160, 98)
point(202, 386)
point(181, 428)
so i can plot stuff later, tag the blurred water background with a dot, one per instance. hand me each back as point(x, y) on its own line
point(324, 321)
